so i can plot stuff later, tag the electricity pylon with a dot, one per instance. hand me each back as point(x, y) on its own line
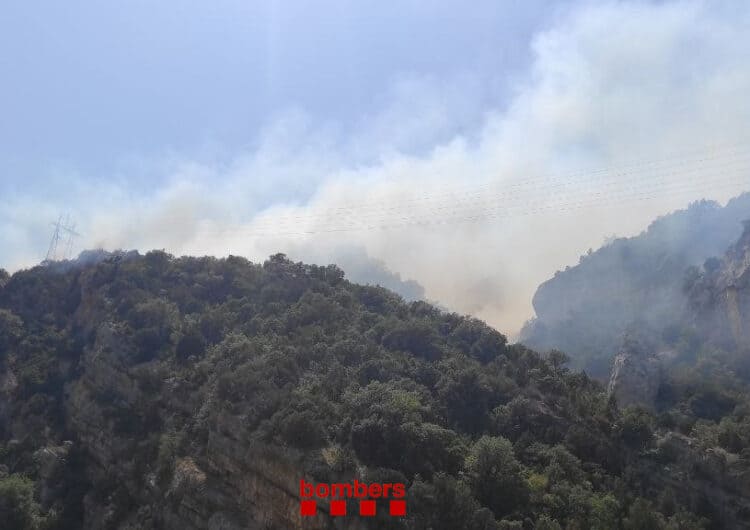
point(64, 232)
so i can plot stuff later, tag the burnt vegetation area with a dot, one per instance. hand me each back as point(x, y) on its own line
point(349, 380)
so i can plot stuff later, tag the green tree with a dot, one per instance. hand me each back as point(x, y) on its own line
point(558, 359)
point(190, 344)
point(417, 337)
point(11, 328)
point(642, 516)
point(545, 523)
point(447, 504)
point(604, 512)
point(18, 509)
point(686, 521)
point(495, 475)
point(636, 428)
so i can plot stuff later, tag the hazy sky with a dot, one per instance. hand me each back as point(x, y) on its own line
point(89, 86)
point(474, 150)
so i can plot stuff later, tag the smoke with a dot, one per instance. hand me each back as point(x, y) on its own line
point(480, 214)
point(362, 268)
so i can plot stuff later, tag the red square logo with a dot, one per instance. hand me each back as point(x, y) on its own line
point(398, 508)
point(308, 508)
point(337, 508)
point(367, 508)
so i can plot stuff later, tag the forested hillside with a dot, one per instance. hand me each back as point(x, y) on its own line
point(145, 392)
point(632, 284)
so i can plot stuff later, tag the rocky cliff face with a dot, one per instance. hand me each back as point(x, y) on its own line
point(720, 296)
point(636, 376)
point(585, 309)
point(735, 286)
point(718, 309)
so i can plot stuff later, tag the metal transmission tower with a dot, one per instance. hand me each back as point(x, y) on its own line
point(64, 233)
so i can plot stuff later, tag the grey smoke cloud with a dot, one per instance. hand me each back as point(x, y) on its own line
point(609, 84)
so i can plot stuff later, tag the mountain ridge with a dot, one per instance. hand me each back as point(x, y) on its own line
point(159, 392)
point(585, 309)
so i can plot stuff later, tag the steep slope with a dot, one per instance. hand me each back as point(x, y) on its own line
point(630, 283)
point(719, 297)
point(145, 392)
point(636, 375)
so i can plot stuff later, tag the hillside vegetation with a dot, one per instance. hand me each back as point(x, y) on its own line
point(145, 392)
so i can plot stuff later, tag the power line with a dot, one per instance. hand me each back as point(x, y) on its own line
point(714, 168)
point(535, 194)
point(501, 211)
point(653, 185)
point(546, 181)
point(709, 159)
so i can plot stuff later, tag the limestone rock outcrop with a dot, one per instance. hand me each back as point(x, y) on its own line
point(636, 375)
point(584, 309)
point(720, 297)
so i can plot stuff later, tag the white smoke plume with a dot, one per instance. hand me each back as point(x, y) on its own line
point(628, 110)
